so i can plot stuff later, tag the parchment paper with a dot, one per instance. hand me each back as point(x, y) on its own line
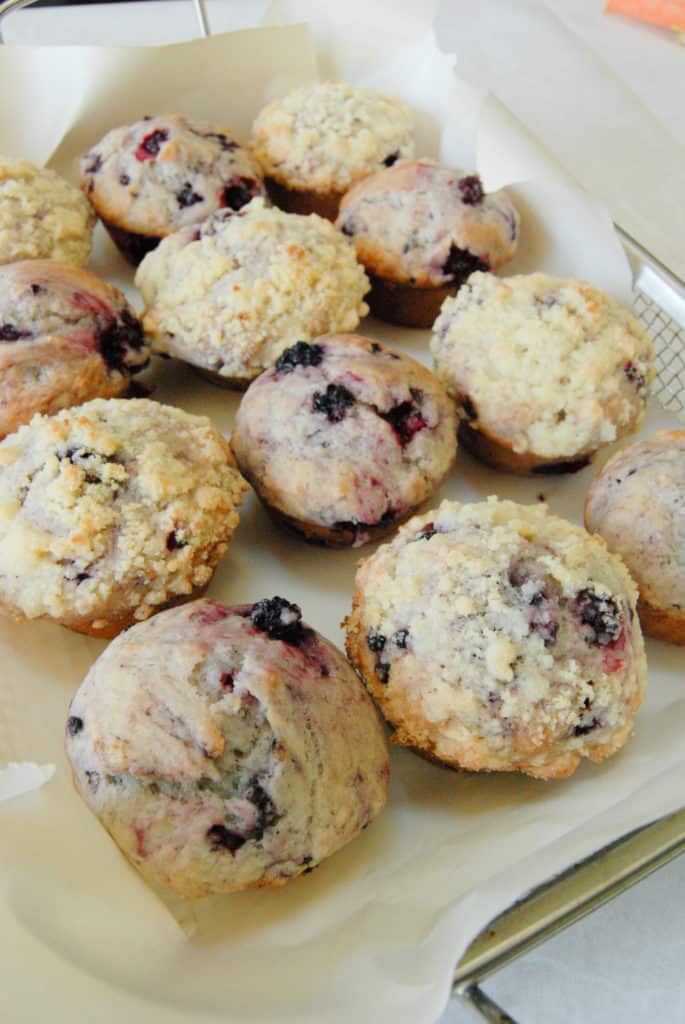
point(374, 933)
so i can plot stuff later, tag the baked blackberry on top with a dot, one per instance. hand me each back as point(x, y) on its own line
point(227, 748)
point(544, 370)
point(65, 337)
point(317, 141)
point(495, 637)
point(343, 438)
point(150, 178)
point(420, 229)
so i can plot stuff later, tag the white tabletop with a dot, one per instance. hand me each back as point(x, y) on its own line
point(623, 963)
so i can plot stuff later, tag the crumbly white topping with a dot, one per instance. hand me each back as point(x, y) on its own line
point(499, 637)
point(326, 136)
point(550, 366)
point(220, 758)
point(637, 504)
point(387, 443)
point(249, 285)
point(42, 215)
point(162, 173)
point(110, 508)
point(407, 221)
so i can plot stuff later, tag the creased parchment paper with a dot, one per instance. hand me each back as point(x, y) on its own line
point(374, 933)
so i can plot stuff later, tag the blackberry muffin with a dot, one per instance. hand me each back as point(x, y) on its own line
point(320, 139)
point(343, 438)
point(230, 295)
point(637, 504)
point(226, 748)
point(148, 179)
point(420, 229)
point(42, 216)
point(65, 337)
point(495, 637)
point(544, 371)
point(111, 511)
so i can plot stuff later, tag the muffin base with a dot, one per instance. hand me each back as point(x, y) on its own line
point(499, 456)
point(231, 383)
point(303, 200)
point(662, 623)
point(113, 627)
point(406, 304)
point(133, 247)
point(333, 537)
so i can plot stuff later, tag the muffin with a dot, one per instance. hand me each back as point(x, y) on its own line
point(420, 229)
point(65, 337)
point(319, 140)
point(637, 504)
point(111, 511)
point(42, 216)
point(343, 438)
point(232, 294)
point(226, 748)
point(495, 637)
point(148, 179)
point(544, 371)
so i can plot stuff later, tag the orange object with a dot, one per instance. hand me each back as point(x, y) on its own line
point(669, 13)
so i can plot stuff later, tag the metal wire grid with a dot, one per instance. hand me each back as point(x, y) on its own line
point(669, 344)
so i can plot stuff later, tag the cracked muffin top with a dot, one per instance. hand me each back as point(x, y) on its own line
point(423, 224)
point(42, 216)
point(326, 136)
point(497, 637)
point(162, 173)
point(225, 748)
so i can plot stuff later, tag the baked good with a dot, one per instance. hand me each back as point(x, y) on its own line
point(110, 511)
point(314, 143)
point(420, 229)
point(230, 295)
point(544, 371)
point(42, 216)
point(344, 438)
point(148, 179)
point(226, 748)
point(495, 637)
point(637, 504)
point(65, 337)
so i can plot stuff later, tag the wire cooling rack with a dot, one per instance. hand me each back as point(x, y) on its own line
point(659, 304)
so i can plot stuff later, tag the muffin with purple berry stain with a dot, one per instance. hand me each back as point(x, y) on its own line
point(226, 748)
point(420, 229)
point(231, 295)
point(65, 337)
point(495, 637)
point(343, 438)
point(637, 504)
point(112, 510)
point(148, 179)
point(544, 370)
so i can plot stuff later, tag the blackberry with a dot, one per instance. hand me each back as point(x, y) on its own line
point(471, 188)
point(279, 619)
point(299, 354)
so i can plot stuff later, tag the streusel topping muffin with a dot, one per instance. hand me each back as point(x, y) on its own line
point(110, 511)
point(344, 438)
point(322, 138)
point(226, 748)
point(544, 371)
point(495, 637)
point(230, 295)
point(42, 216)
point(148, 179)
point(637, 504)
point(65, 337)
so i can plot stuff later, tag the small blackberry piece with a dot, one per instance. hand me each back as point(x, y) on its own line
point(426, 532)
point(375, 641)
point(471, 188)
point(96, 165)
point(634, 376)
point(187, 196)
point(601, 616)
point(302, 353)
point(546, 629)
point(221, 839)
point(173, 543)
point(268, 815)
point(228, 145)
point(334, 402)
point(383, 671)
point(120, 335)
point(279, 619)
point(406, 421)
point(74, 725)
point(238, 193)
point(8, 332)
point(399, 638)
point(392, 158)
point(585, 727)
point(150, 146)
point(461, 263)
point(124, 179)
